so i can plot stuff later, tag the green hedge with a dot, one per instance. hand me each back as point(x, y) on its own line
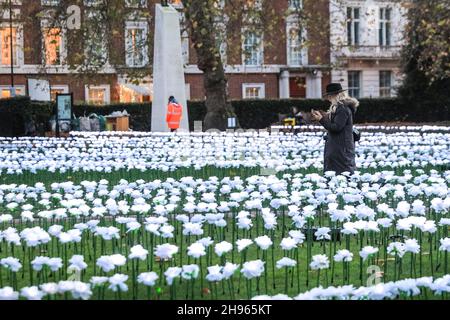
point(259, 114)
point(21, 109)
point(15, 112)
point(255, 114)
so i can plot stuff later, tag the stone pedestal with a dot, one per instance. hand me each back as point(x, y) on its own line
point(168, 70)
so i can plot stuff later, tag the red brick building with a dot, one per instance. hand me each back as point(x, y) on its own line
point(276, 64)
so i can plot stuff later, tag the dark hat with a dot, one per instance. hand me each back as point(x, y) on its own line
point(333, 88)
point(171, 98)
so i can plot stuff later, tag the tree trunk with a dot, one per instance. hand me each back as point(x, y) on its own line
point(200, 18)
point(217, 105)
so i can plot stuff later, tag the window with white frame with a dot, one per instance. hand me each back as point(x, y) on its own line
point(52, 45)
point(295, 49)
point(56, 89)
point(253, 91)
point(353, 24)
point(136, 3)
point(385, 83)
point(5, 43)
point(385, 27)
point(295, 5)
point(97, 95)
point(354, 83)
point(5, 91)
point(95, 45)
point(136, 44)
point(252, 49)
point(50, 2)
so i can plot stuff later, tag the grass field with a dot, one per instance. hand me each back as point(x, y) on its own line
point(290, 281)
point(395, 212)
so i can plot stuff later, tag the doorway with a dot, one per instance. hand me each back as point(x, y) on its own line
point(297, 87)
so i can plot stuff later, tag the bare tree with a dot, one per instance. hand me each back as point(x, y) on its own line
point(201, 18)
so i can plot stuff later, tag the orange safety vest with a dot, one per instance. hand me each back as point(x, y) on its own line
point(174, 112)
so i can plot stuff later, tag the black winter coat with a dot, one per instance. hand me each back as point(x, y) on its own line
point(339, 154)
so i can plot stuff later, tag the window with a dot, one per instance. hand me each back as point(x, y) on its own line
point(136, 45)
point(295, 5)
point(253, 91)
point(129, 95)
point(6, 91)
point(385, 83)
point(385, 27)
point(294, 43)
point(98, 95)
point(352, 26)
point(297, 87)
point(5, 38)
point(136, 3)
point(52, 45)
point(96, 50)
point(58, 89)
point(354, 83)
point(131, 90)
point(253, 49)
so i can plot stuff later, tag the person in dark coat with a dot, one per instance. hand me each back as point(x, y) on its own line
point(339, 153)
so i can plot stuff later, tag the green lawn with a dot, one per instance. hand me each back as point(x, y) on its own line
point(431, 262)
point(276, 281)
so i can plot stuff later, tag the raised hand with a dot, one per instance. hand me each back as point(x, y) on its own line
point(316, 115)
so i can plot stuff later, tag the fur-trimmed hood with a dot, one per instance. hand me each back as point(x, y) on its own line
point(352, 103)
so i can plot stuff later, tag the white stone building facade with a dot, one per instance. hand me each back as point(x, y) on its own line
point(366, 38)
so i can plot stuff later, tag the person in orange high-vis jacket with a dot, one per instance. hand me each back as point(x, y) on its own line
point(174, 112)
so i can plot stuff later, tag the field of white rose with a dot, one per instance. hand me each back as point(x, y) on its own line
point(224, 216)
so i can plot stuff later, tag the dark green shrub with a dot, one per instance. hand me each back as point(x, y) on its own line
point(252, 114)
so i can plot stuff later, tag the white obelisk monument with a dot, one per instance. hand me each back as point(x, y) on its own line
point(168, 70)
